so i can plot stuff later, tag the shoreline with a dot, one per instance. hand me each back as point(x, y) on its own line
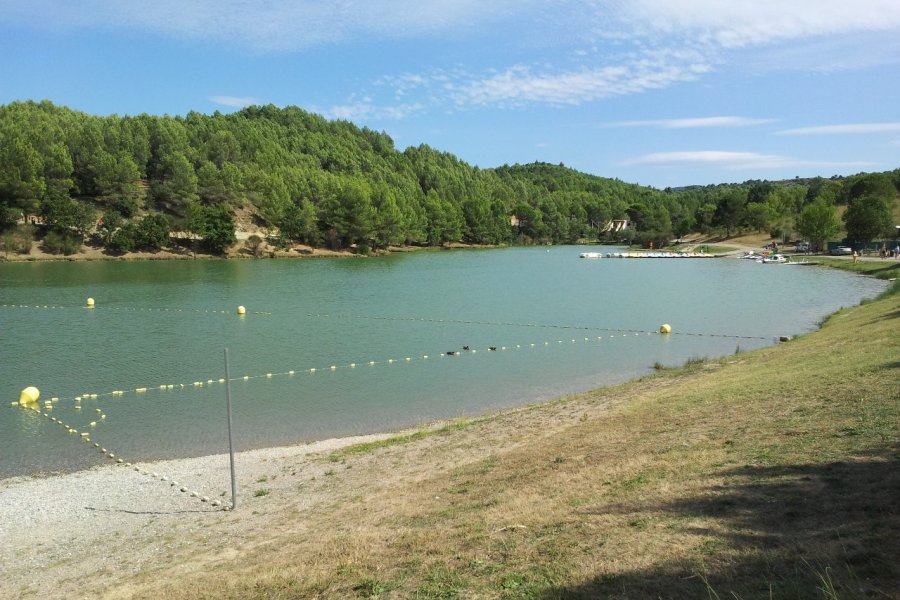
point(110, 531)
point(114, 532)
point(237, 252)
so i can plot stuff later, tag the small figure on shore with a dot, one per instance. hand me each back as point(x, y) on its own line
point(855, 256)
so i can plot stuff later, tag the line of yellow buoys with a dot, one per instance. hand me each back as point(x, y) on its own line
point(29, 398)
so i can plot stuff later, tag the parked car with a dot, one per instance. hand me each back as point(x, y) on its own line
point(842, 250)
point(802, 247)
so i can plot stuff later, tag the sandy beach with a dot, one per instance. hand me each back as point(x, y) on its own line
point(86, 527)
point(91, 534)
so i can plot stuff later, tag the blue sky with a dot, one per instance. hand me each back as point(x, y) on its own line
point(656, 92)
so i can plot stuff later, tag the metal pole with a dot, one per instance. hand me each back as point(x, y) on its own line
point(230, 438)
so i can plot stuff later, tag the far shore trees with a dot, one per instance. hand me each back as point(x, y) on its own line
point(818, 223)
point(309, 180)
point(868, 215)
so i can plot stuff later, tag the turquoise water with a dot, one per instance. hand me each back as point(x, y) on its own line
point(167, 323)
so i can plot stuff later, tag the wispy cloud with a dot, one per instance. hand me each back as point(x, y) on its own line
point(273, 25)
point(234, 101)
point(733, 160)
point(365, 109)
point(852, 128)
point(689, 123)
point(611, 47)
point(519, 85)
point(739, 24)
point(269, 25)
point(737, 160)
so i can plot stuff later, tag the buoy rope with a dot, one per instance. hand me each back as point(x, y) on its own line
point(85, 437)
point(132, 309)
point(343, 365)
point(395, 318)
point(537, 325)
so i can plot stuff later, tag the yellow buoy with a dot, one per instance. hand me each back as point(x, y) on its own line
point(665, 328)
point(29, 395)
point(241, 310)
point(90, 303)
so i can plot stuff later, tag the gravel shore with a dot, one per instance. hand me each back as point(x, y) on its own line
point(80, 526)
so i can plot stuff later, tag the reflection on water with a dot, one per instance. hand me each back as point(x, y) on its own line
point(166, 323)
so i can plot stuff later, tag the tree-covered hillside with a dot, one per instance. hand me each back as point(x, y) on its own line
point(126, 182)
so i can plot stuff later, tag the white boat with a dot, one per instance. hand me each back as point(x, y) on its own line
point(591, 255)
point(772, 259)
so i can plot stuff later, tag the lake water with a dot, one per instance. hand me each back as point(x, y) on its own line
point(559, 324)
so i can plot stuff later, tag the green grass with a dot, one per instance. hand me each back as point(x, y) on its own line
point(404, 438)
point(882, 269)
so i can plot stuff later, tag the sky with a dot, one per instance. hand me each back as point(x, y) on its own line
point(665, 93)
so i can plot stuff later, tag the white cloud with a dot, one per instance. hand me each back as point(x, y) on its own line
point(737, 23)
point(272, 25)
point(733, 160)
point(723, 158)
point(725, 121)
point(366, 109)
point(852, 128)
point(518, 85)
point(610, 47)
point(234, 101)
point(277, 25)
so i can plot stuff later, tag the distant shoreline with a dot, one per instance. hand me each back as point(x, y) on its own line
point(90, 254)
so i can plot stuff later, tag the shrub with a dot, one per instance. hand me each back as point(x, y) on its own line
point(17, 239)
point(122, 240)
point(62, 242)
point(152, 232)
point(254, 244)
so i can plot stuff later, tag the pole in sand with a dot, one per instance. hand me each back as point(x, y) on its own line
point(230, 437)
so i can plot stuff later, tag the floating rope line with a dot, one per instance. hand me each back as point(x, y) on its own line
point(132, 309)
point(408, 359)
point(538, 325)
point(465, 351)
point(85, 437)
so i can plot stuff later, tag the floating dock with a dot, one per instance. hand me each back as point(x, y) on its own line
point(647, 255)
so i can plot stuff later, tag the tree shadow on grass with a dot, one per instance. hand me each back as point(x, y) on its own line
point(828, 530)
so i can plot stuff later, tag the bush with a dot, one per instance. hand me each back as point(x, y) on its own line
point(152, 232)
point(215, 225)
point(122, 240)
point(17, 239)
point(127, 207)
point(658, 239)
point(254, 245)
point(62, 242)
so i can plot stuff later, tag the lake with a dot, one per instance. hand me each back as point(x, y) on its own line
point(335, 347)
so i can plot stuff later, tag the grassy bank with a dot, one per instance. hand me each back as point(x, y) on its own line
point(882, 269)
point(766, 474)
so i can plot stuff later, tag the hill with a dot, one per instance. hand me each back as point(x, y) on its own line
point(123, 184)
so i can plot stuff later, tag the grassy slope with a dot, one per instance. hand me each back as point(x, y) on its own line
point(767, 473)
